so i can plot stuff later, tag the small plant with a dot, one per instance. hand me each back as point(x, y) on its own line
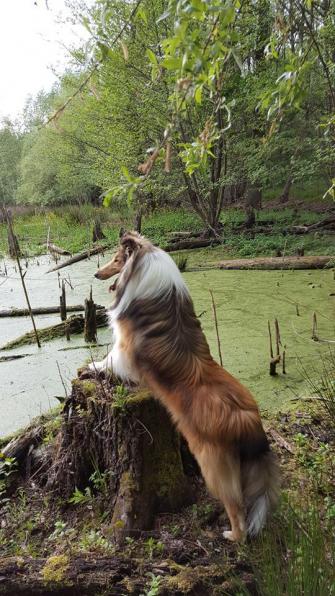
point(79, 497)
point(153, 547)
point(93, 539)
point(120, 396)
point(153, 588)
point(99, 480)
point(8, 466)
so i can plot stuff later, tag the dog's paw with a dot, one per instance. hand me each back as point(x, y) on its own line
point(229, 535)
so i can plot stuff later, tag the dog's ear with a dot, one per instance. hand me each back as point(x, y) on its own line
point(131, 242)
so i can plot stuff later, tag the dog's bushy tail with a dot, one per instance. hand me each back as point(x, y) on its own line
point(261, 484)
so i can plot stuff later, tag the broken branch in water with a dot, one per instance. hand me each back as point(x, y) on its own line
point(13, 357)
point(86, 254)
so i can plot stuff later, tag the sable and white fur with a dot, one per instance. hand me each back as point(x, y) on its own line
point(158, 342)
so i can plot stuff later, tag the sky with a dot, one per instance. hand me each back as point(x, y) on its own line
point(32, 45)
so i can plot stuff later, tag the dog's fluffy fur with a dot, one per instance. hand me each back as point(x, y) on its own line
point(158, 341)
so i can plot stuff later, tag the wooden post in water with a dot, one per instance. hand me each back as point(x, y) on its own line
point(90, 329)
point(315, 328)
point(17, 253)
point(274, 360)
point(62, 300)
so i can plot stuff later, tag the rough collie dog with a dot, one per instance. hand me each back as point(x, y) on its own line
point(158, 342)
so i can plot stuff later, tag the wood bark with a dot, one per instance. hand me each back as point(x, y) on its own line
point(86, 254)
point(309, 262)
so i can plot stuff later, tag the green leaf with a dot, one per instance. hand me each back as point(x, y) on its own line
point(172, 63)
point(198, 94)
point(152, 57)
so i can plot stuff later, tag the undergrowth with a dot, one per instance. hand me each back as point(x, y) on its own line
point(71, 228)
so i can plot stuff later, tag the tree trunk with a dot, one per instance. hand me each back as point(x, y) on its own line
point(13, 244)
point(138, 221)
point(284, 197)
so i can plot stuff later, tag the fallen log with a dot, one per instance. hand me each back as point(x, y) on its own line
point(56, 249)
point(309, 262)
point(42, 310)
point(193, 243)
point(175, 236)
point(86, 254)
point(73, 325)
point(327, 224)
point(13, 357)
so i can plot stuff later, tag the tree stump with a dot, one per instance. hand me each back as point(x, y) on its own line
point(131, 438)
point(97, 231)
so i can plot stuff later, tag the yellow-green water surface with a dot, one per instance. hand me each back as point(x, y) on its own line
point(245, 301)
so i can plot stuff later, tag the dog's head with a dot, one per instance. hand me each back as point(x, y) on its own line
point(131, 247)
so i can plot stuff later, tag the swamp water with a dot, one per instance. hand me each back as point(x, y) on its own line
point(245, 301)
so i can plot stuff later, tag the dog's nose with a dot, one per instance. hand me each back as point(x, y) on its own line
point(97, 275)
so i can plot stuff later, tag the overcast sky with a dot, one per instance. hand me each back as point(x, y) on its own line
point(31, 42)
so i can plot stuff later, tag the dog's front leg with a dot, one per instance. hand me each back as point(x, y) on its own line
point(104, 365)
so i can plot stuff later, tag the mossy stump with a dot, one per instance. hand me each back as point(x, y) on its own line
point(129, 436)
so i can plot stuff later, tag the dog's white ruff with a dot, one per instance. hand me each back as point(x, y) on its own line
point(157, 273)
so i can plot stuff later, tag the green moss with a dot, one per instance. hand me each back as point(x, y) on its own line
point(196, 578)
point(89, 388)
point(55, 568)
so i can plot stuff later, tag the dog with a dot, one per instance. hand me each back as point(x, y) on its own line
point(158, 342)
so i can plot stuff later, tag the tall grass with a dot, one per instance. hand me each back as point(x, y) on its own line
point(324, 387)
point(294, 557)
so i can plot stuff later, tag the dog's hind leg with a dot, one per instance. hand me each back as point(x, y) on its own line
point(221, 471)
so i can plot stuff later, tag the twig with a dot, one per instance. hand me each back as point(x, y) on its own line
point(315, 328)
point(61, 378)
point(9, 223)
point(270, 339)
point(281, 441)
point(216, 327)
